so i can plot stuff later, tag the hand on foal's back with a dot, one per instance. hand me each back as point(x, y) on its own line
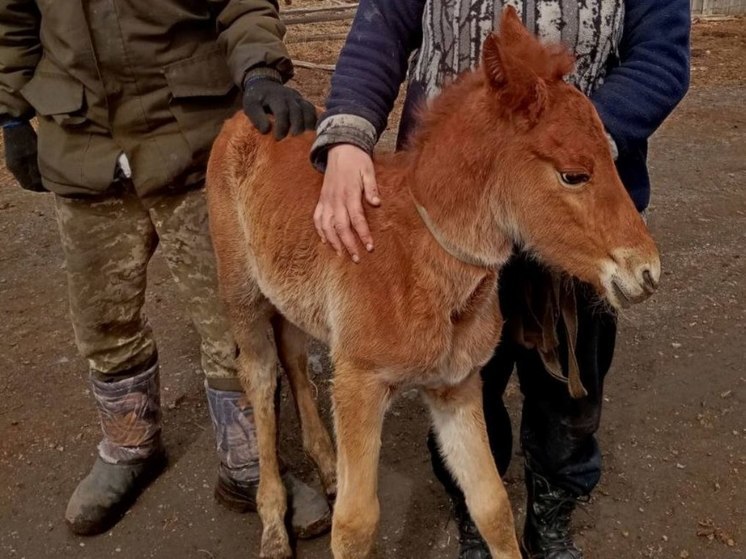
point(339, 216)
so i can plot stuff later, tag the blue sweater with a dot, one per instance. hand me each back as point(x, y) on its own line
point(639, 91)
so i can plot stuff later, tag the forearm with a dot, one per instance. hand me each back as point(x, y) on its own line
point(653, 74)
point(252, 34)
point(20, 51)
point(370, 70)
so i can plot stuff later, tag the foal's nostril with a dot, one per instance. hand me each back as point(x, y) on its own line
point(650, 284)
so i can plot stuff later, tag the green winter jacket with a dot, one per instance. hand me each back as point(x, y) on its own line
point(153, 79)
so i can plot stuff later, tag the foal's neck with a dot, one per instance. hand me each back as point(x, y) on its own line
point(452, 198)
point(449, 247)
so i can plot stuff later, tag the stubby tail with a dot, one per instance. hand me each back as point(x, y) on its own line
point(232, 154)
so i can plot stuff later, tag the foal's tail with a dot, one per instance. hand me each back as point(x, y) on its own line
point(232, 156)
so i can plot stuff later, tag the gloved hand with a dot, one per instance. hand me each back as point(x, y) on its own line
point(21, 155)
point(263, 96)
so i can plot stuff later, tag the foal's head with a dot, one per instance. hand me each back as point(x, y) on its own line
point(538, 146)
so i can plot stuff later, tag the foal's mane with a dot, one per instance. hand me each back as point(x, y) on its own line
point(515, 66)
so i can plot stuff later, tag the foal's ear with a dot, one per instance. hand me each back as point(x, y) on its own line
point(492, 61)
point(515, 39)
point(508, 60)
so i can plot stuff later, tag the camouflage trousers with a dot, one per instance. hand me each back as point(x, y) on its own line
point(108, 243)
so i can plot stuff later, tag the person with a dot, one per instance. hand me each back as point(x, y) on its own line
point(632, 60)
point(129, 97)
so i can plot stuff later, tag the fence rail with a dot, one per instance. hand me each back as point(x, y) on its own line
point(718, 7)
point(347, 11)
point(296, 16)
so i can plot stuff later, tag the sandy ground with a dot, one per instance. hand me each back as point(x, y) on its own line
point(674, 430)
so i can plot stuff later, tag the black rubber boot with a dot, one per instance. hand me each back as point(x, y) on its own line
point(130, 453)
point(238, 476)
point(470, 543)
point(546, 534)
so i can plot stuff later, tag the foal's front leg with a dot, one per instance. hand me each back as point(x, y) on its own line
point(360, 401)
point(458, 418)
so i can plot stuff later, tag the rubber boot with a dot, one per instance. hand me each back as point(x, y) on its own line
point(238, 474)
point(470, 543)
point(130, 454)
point(546, 534)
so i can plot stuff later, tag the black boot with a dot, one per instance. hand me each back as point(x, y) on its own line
point(546, 534)
point(470, 543)
point(130, 454)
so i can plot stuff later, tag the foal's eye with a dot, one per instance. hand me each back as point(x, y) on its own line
point(575, 179)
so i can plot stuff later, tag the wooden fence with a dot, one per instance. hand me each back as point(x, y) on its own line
point(347, 11)
point(718, 7)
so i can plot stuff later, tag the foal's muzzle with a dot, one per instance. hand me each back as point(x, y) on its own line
point(629, 279)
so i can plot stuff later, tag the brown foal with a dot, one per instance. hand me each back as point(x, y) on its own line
point(508, 155)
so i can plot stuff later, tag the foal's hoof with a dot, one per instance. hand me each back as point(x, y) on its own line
point(276, 554)
point(329, 483)
point(275, 544)
point(331, 493)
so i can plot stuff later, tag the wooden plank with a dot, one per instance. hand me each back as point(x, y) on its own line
point(340, 8)
point(316, 38)
point(313, 65)
point(317, 18)
point(718, 7)
point(713, 19)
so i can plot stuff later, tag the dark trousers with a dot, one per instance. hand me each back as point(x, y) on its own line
point(557, 431)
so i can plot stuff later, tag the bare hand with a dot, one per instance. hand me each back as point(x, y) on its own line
point(349, 176)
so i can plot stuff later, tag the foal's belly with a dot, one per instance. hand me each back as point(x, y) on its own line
point(299, 301)
point(293, 283)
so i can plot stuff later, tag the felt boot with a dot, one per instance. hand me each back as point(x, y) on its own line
point(238, 473)
point(130, 454)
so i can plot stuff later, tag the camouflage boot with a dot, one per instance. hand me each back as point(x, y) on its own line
point(238, 474)
point(130, 455)
point(546, 534)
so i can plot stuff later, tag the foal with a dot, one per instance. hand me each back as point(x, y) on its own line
point(508, 155)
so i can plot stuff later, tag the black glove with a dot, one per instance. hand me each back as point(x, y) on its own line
point(21, 155)
point(263, 96)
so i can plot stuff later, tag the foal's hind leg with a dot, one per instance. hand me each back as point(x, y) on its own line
point(292, 346)
point(458, 418)
point(250, 314)
point(257, 369)
point(258, 373)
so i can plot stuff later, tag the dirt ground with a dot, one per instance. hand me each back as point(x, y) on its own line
point(674, 429)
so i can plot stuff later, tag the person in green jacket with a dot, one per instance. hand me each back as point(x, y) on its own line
point(129, 97)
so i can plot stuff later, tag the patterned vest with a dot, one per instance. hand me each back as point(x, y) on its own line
point(454, 30)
